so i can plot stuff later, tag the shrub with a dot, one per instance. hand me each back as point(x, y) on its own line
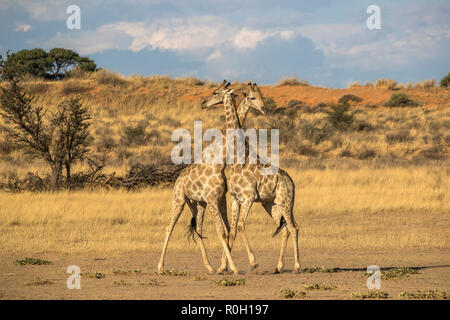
point(400, 100)
point(134, 135)
point(314, 133)
point(292, 81)
point(445, 81)
point(348, 98)
point(339, 117)
point(270, 104)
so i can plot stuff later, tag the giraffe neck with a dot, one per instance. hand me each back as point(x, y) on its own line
point(242, 111)
point(231, 117)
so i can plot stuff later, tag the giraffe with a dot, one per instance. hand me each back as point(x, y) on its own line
point(203, 184)
point(276, 193)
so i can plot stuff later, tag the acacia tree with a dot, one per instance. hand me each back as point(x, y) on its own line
point(52, 65)
point(72, 123)
point(60, 139)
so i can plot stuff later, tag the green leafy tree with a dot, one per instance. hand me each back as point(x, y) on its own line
point(52, 65)
point(61, 60)
point(34, 61)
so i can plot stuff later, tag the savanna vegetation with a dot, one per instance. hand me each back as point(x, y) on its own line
point(367, 158)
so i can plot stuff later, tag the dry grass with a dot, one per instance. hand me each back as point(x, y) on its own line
point(335, 208)
point(396, 196)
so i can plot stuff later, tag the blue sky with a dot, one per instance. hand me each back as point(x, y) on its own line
point(326, 42)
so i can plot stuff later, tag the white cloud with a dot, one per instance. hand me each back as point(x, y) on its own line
point(197, 35)
point(23, 28)
point(43, 10)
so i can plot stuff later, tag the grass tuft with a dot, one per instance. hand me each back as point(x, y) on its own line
point(319, 286)
point(229, 282)
point(39, 282)
point(32, 261)
point(425, 294)
point(291, 293)
point(370, 295)
point(172, 272)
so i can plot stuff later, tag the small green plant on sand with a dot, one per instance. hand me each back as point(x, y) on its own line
point(38, 282)
point(319, 286)
point(396, 273)
point(31, 261)
point(151, 282)
point(370, 295)
point(173, 272)
point(425, 294)
point(127, 272)
point(291, 293)
point(121, 283)
point(94, 275)
point(320, 269)
point(229, 282)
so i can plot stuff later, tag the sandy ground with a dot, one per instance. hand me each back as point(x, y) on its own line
point(434, 266)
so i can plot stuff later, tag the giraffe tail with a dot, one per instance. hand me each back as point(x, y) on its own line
point(192, 227)
point(280, 227)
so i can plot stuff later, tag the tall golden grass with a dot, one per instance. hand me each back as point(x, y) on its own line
point(382, 208)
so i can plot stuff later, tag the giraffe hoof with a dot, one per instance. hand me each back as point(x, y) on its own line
point(277, 271)
point(222, 270)
point(254, 267)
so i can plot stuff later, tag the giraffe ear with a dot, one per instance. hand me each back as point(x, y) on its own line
point(227, 85)
point(224, 82)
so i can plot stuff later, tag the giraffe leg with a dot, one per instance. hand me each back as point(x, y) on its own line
point(223, 212)
point(275, 212)
point(177, 208)
point(234, 214)
point(245, 209)
point(199, 214)
point(285, 235)
point(293, 230)
point(222, 233)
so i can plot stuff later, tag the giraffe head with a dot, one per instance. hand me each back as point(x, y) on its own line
point(253, 99)
point(218, 95)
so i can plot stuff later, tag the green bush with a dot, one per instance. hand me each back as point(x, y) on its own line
point(400, 100)
point(445, 82)
point(134, 135)
point(316, 134)
point(270, 104)
point(340, 117)
point(349, 97)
